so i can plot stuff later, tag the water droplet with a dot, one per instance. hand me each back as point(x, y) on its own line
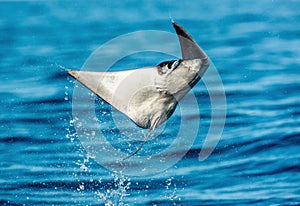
point(81, 187)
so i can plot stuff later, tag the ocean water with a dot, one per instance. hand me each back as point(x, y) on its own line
point(255, 48)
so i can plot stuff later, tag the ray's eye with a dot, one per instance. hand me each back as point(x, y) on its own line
point(168, 65)
point(173, 64)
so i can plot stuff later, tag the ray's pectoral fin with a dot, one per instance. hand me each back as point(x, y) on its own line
point(189, 48)
point(103, 84)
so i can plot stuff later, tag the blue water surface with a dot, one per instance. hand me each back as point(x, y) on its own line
point(255, 47)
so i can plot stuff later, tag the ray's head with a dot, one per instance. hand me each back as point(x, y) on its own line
point(177, 77)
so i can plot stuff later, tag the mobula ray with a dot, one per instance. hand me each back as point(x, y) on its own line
point(148, 96)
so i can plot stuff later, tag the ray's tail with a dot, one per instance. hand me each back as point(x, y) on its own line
point(140, 147)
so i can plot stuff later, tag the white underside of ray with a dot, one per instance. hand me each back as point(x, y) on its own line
point(127, 91)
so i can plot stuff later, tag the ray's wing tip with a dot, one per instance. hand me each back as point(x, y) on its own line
point(73, 73)
point(175, 24)
point(180, 31)
point(189, 47)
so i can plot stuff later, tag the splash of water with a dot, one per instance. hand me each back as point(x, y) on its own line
point(116, 194)
point(171, 190)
